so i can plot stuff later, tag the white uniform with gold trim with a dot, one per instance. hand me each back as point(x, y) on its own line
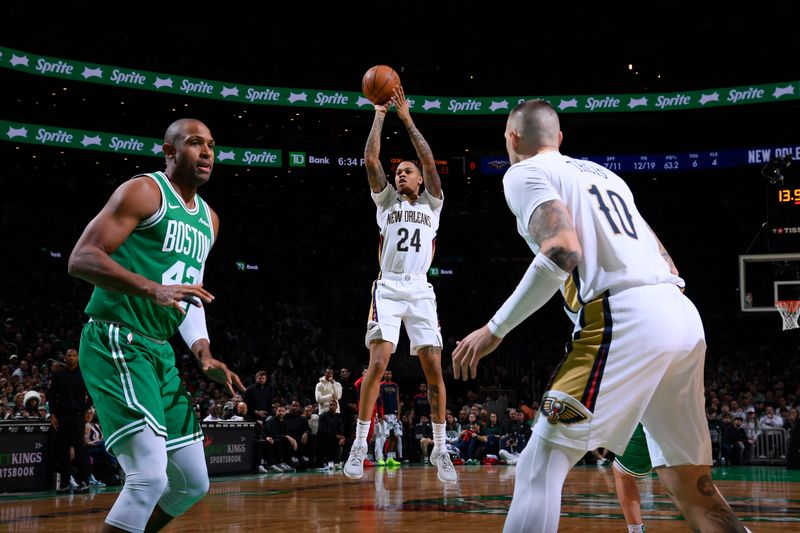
point(402, 294)
point(638, 346)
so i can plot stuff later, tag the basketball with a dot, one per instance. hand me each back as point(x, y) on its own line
point(378, 83)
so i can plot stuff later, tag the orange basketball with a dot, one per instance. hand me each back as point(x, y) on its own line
point(378, 83)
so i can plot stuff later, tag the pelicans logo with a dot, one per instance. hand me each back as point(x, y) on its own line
point(559, 411)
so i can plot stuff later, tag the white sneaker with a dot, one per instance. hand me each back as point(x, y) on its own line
point(354, 467)
point(262, 469)
point(445, 470)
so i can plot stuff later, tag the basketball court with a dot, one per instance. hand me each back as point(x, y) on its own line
point(410, 498)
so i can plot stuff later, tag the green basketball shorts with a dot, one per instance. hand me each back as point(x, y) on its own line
point(133, 382)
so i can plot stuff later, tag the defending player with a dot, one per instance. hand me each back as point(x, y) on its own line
point(145, 254)
point(638, 348)
point(408, 220)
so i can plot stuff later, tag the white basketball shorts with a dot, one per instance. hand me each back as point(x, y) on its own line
point(635, 355)
point(408, 299)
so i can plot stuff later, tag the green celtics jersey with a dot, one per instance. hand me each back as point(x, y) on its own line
point(170, 247)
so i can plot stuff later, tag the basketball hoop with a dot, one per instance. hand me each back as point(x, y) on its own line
point(788, 310)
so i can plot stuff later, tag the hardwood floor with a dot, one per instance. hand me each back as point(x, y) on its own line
point(411, 498)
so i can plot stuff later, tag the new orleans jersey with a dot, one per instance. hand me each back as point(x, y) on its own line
point(408, 231)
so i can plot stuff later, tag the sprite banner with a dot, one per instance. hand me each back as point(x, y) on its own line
point(125, 144)
point(336, 99)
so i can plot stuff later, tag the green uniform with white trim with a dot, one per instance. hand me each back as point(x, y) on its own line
point(126, 361)
point(636, 458)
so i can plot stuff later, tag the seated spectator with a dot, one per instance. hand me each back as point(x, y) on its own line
point(102, 464)
point(331, 436)
point(736, 441)
point(241, 414)
point(472, 444)
point(423, 437)
point(297, 425)
point(214, 413)
point(452, 428)
point(280, 445)
point(30, 405)
point(494, 430)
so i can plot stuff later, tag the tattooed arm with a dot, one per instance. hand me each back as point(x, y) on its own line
point(375, 173)
point(433, 184)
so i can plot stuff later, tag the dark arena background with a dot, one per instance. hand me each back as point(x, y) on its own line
point(696, 106)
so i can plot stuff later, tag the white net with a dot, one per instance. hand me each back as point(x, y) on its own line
point(788, 310)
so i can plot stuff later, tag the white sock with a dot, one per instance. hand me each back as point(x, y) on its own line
point(439, 435)
point(362, 430)
point(638, 528)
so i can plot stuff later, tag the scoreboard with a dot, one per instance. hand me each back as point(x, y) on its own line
point(664, 162)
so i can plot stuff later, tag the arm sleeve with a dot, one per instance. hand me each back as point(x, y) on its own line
point(540, 282)
point(337, 391)
point(193, 327)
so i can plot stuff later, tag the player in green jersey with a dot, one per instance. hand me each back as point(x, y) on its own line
point(145, 254)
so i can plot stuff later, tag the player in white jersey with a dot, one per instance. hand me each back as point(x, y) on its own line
point(408, 220)
point(638, 347)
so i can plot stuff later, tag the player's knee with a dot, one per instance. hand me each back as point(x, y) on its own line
point(178, 499)
point(147, 485)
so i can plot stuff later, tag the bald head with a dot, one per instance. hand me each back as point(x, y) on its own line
point(535, 125)
point(178, 130)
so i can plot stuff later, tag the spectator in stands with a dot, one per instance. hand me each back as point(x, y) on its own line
point(741, 445)
point(452, 428)
point(348, 405)
point(494, 430)
point(69, 401)
point(331, 437)
point(326, 390)
point(472, 443)
point(791, 419)
point(240, 413)
point(312, 419)
point(420, 405)
point(750, 424)
point(297, 426)
point(281, 445)
point(30, 404)
point(736, 411)
point(770, 419)
point(100, 460)
point(423, 435)
point(258, 397)
point(214, 413)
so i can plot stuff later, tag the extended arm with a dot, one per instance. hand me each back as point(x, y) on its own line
point(559, 253)
point(375, 173)
point(433, 184)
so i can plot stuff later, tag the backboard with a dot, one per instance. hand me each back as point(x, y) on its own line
point(766, 278)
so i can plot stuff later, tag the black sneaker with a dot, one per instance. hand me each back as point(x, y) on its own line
point(83, 488)
point(63, 490)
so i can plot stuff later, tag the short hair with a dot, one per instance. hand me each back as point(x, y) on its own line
point(261, 373)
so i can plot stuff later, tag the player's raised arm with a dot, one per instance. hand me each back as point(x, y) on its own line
point(433, 184)
point(372, 151)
